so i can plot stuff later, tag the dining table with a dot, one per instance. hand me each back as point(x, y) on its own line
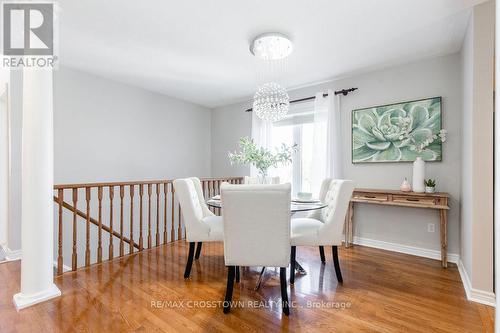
point(296, 206)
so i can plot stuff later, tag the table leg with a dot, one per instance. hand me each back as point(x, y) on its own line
point(351, 215)
point(346, 229)
point(261, 276)
point(299, 269)
point(444, 238)
point(348, 225)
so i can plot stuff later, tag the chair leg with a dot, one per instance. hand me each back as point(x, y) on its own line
point(337, 264)
point(237, 274)
point(292, 265)
point(198, 250)
point(322, 254)
point(190, 260)
point(284, 293)
point(229, 289)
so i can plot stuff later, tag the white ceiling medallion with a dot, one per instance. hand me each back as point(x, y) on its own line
point(271, 100)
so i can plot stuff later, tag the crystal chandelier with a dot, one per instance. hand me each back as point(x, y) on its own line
point(271, 100)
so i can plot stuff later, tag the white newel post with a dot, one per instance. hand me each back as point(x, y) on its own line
point(37, 276)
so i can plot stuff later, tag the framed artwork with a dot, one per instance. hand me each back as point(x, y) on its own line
point(397, 132)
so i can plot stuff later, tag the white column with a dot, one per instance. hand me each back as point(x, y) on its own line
point(497, 167)
point(37, 280)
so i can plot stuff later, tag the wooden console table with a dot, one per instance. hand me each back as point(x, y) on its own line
point(438, 201)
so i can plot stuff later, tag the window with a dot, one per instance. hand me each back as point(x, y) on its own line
point(297, 127)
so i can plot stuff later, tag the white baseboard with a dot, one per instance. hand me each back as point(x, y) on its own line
point(17, 255)
point(66, 268)
point(11, 255)
point(416, 251)
point(475, 295)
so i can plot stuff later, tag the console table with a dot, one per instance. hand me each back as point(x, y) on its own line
point(437, 201)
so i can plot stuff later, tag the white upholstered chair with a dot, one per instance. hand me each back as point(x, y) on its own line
point(324, 228)
point(201, 224)
point(255, 180)
point(317, 214)
point(256, 231)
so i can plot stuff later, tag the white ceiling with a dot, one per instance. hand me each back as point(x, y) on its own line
point(197, 50)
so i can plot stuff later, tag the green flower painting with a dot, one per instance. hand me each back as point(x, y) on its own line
point(398, 132)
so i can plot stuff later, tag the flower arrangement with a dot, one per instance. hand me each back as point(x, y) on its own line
point(415, 140)
point(261, 157)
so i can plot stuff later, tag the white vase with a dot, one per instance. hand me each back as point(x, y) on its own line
point(262, 177)
point(419, 175)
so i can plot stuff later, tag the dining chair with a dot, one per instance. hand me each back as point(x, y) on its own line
point(201, 224)
point(256, 180)
point(316, 214)
point(256, 223)
point(311, 231)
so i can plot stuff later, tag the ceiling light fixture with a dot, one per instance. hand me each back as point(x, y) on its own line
point(271, 46)
point(271, 101)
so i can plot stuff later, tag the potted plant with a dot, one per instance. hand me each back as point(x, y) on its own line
point(261, 157)
point(430, 185)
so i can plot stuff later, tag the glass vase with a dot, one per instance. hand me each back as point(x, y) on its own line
point(263, 177)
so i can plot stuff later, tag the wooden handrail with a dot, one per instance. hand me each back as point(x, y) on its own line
point(128, 183)
point(146, 219)
point(93, 221)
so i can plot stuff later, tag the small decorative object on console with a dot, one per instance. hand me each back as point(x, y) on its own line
point(405, 186)
point(418, 175)
point(430, 186)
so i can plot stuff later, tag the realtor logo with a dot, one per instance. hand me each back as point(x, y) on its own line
point(28, 29)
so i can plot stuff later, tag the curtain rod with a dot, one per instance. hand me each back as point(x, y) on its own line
point(338, 92)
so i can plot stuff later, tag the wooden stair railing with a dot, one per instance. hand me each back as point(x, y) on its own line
point(94, 222)
point(129, 220)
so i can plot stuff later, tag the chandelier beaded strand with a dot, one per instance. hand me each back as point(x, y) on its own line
point(271, 102)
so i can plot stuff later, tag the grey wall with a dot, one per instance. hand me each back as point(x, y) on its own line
point(434, 77)
point(4, 161)
point(4, 155)
point(107, 131)
point(229, 123)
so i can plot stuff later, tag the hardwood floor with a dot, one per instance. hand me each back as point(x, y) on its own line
point(382, 292)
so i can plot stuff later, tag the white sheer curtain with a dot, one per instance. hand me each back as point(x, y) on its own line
point(262, 135)
point(327, 149)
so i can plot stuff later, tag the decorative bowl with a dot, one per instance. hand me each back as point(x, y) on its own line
point(304, 195)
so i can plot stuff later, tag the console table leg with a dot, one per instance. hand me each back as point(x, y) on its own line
point(348, 226)
point(351, 215)
point(444, 238)
point(346, 230)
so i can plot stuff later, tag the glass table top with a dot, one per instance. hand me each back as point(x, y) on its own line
point(294, 206)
